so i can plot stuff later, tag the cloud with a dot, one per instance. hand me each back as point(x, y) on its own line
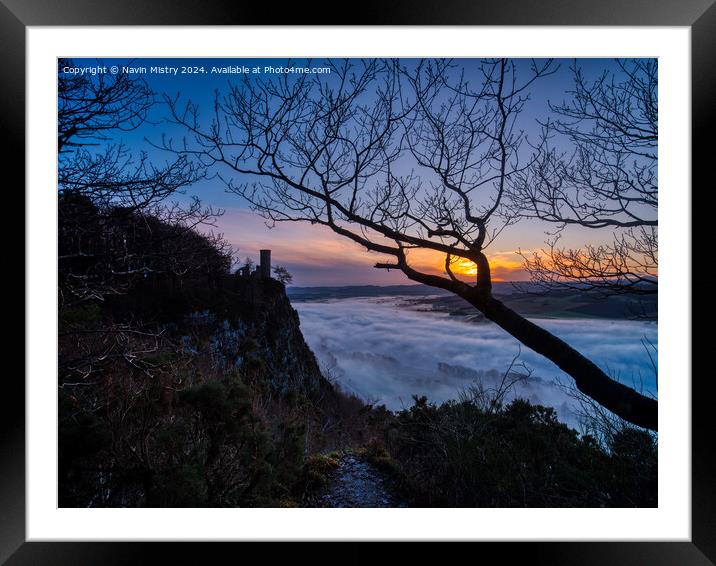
point(386, 352)
point(317, 256)
point(312, 253)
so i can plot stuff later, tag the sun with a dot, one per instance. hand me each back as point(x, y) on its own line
point(463, 266)
point(504, 265)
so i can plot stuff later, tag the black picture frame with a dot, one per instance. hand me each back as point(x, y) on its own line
point(17, 15)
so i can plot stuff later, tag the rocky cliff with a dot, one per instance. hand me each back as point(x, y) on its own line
point(214, 400)
point(256, 328)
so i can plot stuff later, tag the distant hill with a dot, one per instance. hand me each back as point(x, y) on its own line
point(555, 304)
point(355, 291)
point(566, 303)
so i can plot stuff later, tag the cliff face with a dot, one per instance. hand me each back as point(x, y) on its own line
point(293, 364)
point(180, 384)
point(259, 332)
point(214, 403)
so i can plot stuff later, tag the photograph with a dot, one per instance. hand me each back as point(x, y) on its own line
point(357, 282)
point(295, 278)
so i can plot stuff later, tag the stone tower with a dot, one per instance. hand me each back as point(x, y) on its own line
point(265, 265)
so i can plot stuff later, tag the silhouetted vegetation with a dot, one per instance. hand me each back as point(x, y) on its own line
point(187, 386)
point(282, 274)
point(462, 454)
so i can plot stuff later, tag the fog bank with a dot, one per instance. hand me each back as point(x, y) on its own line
point(385, 352)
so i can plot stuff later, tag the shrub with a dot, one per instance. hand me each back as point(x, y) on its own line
point(460, 455)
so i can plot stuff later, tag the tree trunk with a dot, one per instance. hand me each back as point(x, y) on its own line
point(590, 380)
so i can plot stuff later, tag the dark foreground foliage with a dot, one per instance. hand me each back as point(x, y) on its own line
point(464, 454)
point(181, 384)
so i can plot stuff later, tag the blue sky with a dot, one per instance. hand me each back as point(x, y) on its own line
point(315, 256)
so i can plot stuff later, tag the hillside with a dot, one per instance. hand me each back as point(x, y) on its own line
point(524, 299)
point(218, 407)
point(180, 383)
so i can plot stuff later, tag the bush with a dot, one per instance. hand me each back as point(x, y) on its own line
point(460, 455)
point(317, 470)
point(633, 471)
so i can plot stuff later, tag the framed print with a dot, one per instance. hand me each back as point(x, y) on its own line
point(393, 279)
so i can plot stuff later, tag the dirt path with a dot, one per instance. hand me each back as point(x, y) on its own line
point(357, 483)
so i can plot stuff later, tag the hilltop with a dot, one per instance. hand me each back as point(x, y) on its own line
point(524, 298)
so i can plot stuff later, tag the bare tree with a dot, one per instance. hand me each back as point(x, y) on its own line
point(491, 398)
point(605, 179)
point(92, 107)
point(92, 110)
point(118, 232)
point(397, 157)
point(282, 274)
point(116, 222)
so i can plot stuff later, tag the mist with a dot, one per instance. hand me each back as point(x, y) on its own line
point(385, 352)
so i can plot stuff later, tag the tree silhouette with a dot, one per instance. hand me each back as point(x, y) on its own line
point(282, 274)
point(395, 157)
point(116, 223)
point(607, 181)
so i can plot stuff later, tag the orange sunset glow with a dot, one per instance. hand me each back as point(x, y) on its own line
point(504, 265)
point(317, 256)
